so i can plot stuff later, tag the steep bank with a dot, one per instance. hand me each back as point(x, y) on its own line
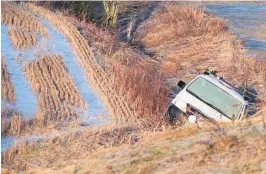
point(228, 148)
point(196, 40)
point(135, 78)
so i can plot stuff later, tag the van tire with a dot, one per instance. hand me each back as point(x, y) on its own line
point(173, 115)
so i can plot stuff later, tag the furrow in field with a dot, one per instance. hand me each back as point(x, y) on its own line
point(22, 39)
point(98, 78)
point(58, 96)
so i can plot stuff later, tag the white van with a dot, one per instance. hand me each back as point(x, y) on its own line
point(207, 96)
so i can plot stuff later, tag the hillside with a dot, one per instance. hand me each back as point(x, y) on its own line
point(228, 148)
point(99, 94)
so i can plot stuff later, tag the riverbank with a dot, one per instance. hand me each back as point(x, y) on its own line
point(134, 87)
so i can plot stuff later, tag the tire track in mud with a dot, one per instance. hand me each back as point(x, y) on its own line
point(57, 93)
point(115, 104)
point(7, 88)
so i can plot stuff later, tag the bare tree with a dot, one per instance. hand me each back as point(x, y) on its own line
point(111, 10)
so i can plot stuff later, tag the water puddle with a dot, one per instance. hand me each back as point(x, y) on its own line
point(247, 21)
point(6, 142)
point(26, 100)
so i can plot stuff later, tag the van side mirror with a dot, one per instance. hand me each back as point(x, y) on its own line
point(181, 84)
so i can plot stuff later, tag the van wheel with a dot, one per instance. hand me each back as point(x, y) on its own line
point(174, 115)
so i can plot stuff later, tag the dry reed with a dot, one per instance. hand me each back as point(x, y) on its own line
point(181, 21)
point(225, 146)
point(6, 171)
point(117, 68)
point(207, 43)
point(7, 88)
point(188, 147)
point(22, 39)
point(115, 104)
point(17, 16)
point(64, 148)
point(193, 40)
point(57, 93)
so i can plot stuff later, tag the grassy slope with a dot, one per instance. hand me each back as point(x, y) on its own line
point(236, 148)
point(194, 39)
point(130, 149)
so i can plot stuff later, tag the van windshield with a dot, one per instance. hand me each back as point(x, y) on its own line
point(215, 97)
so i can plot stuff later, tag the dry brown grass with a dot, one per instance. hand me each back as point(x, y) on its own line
point(17, 16)
point(144, 87)
point(189, 50)
point(133, 86)
point(128, 149)
point(15, 124)
point(7, 88)
point(23, 27)
point(126, 76)
point(130, 75)
point(57, 93)
point(115, 104)
point(194, 40)
point(7, 114)
point(23, 156)
point(58, 98)
point(6, 171)
point(22, 39)
point(181, 21)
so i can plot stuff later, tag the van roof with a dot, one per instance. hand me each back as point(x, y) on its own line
point(220, 84)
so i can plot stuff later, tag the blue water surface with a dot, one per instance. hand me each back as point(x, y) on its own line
point(243, 17)
point(26, 101)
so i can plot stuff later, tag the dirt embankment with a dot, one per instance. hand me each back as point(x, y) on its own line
point(131, 84)
point(7, 88)
point(182, 40)
point(195, 40)
point(230, 148)
point(187, 149)
point(69, 147)
point(58, 96)
point(23, 26)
